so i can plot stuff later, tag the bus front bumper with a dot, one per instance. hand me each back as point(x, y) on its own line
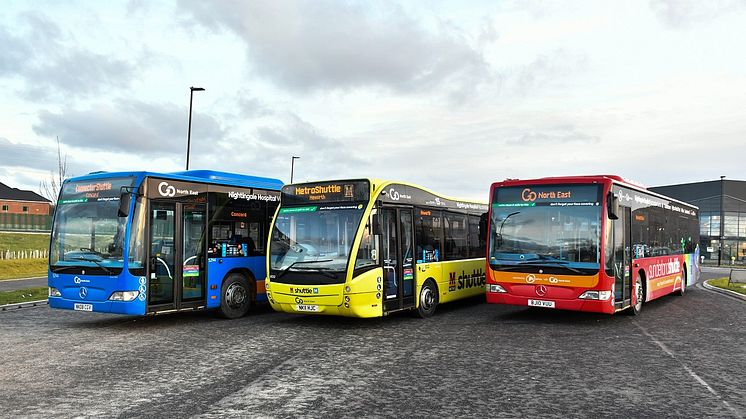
point(134, 308)
point(574, 304)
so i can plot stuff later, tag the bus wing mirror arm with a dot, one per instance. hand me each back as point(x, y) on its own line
point(612, 206)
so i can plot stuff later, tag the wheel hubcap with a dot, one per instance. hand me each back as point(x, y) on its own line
point(235, 295)
point(638, 294)
point(427, 299)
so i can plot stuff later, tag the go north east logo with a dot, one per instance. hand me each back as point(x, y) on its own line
point(464, 281)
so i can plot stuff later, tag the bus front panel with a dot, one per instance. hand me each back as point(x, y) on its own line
point(545, 248)
point(87, 269)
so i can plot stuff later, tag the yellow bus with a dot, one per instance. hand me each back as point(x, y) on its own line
point(369, 248)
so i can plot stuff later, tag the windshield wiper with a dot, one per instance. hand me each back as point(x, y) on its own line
point(87, 249)
point(100, 265)
point(323, 271)
point(60, 268)
point(298, 262)
point(544, 260)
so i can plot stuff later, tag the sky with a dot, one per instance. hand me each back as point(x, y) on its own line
point(450, 95)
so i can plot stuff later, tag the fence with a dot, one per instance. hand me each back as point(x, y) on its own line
point(23, 254)
point(25, 222)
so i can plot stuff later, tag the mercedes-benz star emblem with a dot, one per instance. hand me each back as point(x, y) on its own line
point(541, 290)
point(83, 292)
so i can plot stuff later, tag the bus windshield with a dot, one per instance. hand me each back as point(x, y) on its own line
point(88, 235)
point(556, 227)
point(314, 238)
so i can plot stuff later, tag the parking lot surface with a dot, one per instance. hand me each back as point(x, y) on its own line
point(683, 356)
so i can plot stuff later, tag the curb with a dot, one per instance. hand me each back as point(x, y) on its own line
point(22, 279)
point(26, 304)
point(706, 284)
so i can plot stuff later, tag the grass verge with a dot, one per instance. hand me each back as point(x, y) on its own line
point(22, 268)
point(723, 283)
point(23, 241)
point(24, 295)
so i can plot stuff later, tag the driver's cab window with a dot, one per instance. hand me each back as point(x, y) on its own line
point(367, 254)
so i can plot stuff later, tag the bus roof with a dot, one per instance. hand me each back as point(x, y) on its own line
point(589, 179)
point(199, 176)
point(378, 185)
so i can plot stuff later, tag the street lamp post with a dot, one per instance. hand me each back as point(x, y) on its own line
point(722, 220)
point(189, 131)
point(292, 166)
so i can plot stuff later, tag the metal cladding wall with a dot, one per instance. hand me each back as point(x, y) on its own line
point(721, 203)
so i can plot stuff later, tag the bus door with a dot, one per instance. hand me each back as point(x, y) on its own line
point(397, 245)
point(177, 257)
point(623, 258)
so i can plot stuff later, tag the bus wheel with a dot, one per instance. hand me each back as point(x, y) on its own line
point(235, 296)
point(682, 291)
point(428, 299)
point(639, 296)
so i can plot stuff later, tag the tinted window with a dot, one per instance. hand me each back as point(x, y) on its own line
point(456, 233)
point(429, 234)
point(476, 246)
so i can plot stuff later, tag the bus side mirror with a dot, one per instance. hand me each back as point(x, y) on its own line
point(375, 225)
point(124, 204)
point(612, 206)
point(483, 227)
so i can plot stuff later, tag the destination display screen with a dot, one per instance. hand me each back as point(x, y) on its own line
point(548, 195)
point(337, 191)
point(93, 190)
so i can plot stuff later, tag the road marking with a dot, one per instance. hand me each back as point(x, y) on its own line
point(691, 372)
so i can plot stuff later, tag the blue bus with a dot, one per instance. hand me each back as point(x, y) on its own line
point(143, 243)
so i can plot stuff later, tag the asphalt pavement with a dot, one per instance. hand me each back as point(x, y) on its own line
point(19, 284)
point(682, 357)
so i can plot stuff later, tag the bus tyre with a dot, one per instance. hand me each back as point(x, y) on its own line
point(639, 291)
point(682, 291)
point(428, 299)
point(235, 296)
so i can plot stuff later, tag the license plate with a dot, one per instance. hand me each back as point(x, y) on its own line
point(541, 303)
point(83, 307)
point(307, 307)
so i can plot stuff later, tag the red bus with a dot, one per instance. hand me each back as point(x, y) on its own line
point(588, 243)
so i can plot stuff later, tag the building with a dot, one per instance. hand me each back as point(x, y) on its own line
point(18, 201)
point(722, 216)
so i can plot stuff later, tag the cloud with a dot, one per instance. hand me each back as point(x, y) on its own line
point(129, 126)
point(43, 58)
point(27, 155)
point(314, 45)
point(683, 13)
point(268, 151)
point(29, 164)
point(549, 69)
point(560, 135)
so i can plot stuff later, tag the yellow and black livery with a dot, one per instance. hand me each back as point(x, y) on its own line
point(369, 248)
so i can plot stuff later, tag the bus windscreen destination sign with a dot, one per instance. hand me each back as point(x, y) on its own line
point(338, 191)
point(93, 190)
point(547, 195)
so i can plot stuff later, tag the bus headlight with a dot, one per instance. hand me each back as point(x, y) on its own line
point(495, 288)
point(54, 292)
point(124, 295)
point(595, 295)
